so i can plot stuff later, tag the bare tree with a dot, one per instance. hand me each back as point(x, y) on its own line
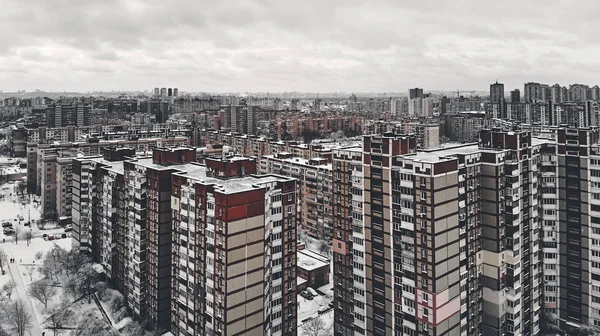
point(28, 236)
point(8, 288)
point(324, 248)
point(133, 328)
point(39, 255)
point(54, 263)
point(303, 236)
point(30, 271)
point(3, 259)
point(97, 327)
point(19, 317)
point(84, 282)
point(17, 234)
point(316, 327)
point(43, 291)
point(58, 318)
point(73, 261)
point(21, 187)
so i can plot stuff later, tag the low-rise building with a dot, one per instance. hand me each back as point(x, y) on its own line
point(313, 267)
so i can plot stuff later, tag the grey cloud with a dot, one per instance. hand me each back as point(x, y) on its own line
point(312, 45)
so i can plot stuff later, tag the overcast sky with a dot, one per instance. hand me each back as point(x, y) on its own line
point(306, 45)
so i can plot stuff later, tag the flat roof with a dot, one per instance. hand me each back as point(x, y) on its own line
point(443, 154)
point(310, 260)
point(232, 185)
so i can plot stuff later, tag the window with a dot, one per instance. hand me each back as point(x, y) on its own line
point(424, 268)
point(276, 210)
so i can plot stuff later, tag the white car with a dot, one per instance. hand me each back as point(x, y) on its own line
point(312, 291)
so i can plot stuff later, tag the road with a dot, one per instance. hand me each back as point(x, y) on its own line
point(21, 292)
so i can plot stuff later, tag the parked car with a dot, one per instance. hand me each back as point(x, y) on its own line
point(322, 310)
point(306, 295)
point(312, 291)
point(51, 237)
point(45, 235)
point(68, 229)
point(6, 224)
point(27, 223)
point(64, 235)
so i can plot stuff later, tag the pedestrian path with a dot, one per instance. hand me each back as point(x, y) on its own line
point(21, 292)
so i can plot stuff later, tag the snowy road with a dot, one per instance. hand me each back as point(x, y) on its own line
point(21, 292)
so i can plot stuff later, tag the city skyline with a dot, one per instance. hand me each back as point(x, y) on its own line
point(274, 46)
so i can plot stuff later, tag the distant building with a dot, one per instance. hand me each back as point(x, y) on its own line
point(515, 96)
point(496, 92)
point(578, 93)
point(415, 107)
point(415, 93)
point(314, 176)
point(427, 133)
point(534, 92)
point(18, 140)
point(58, 115)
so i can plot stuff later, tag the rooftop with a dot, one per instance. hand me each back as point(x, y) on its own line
point(442, 154)
point(310, 260)
point(199, 172)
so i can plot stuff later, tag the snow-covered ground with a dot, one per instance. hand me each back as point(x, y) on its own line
point(24, 270)
point(308, 309)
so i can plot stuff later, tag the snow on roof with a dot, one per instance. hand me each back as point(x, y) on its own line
point(300, 281)
point(310, 260)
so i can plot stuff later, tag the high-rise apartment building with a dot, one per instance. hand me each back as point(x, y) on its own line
point(427, 132)
point(578, 92)
point(361, 244)
point(415, 107)
point(234, 255)
point(515, 96)
point(532, 92)
point(595, 93)
point(68, 115)
point(556, 94)
point(496, 92)
point(440, 242)
point(314, 177)
point(415, 93)
point(195, 248)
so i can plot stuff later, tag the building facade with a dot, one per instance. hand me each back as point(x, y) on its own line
point(443, 241)
point(195, 248)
